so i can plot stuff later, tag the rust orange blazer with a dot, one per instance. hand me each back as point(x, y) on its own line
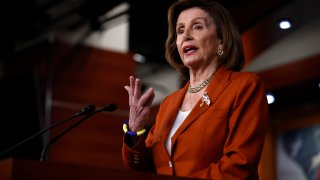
point(223, 140)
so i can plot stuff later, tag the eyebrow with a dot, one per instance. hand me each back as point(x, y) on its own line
point(204, 18)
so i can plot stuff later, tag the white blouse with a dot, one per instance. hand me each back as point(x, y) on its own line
point(177, 123)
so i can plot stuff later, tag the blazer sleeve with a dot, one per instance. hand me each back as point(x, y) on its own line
point(248, 119)
point(137, 157)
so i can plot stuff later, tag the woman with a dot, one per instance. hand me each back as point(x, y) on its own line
point(214, 126)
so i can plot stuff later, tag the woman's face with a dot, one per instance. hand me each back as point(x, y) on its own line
point(197, 39)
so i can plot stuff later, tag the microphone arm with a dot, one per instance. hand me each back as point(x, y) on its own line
point(44, 150)
point(109, 107)
point(85, 110)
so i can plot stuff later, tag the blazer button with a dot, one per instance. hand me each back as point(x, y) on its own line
point(170, 164)
point(135, 157)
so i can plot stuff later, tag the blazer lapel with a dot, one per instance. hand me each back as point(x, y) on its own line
point(170, 117)
point(218, 83)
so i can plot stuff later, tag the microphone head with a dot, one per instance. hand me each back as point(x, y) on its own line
point(110, 107)
point(88, 109)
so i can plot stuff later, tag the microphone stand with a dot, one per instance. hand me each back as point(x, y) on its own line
point(44, 151)
point(110, 107)
point(85, 110)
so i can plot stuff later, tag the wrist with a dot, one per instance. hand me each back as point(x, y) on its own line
point(132, 132)
point(134, 127)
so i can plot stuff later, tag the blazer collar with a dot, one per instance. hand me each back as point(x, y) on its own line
point(218, 83)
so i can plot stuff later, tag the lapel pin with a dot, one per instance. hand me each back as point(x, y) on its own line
point(205, 99)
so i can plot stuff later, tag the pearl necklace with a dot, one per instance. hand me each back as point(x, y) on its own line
point(200, 86)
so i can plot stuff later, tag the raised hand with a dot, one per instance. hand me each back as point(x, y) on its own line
point(139, 104)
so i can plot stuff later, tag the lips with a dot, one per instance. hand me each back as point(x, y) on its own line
point(189, 49)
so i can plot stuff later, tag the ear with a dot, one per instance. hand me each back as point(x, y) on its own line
point(220, 45)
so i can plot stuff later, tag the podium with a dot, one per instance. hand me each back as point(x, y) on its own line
point(18, 169)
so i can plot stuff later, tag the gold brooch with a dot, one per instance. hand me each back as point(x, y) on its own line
point(205, 99)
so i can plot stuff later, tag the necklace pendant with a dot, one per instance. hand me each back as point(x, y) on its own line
point(205, 99)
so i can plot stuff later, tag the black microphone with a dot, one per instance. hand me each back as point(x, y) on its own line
point(86, 110)
point(108, 107)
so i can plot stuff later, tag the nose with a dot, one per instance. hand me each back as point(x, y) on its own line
point(187, 36)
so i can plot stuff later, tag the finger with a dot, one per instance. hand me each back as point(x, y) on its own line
point(137, 89)
point(127, 88)
point(150, 100)
point(129, 93)
point(147, 98)
point(131, 79)
point(130, 90)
